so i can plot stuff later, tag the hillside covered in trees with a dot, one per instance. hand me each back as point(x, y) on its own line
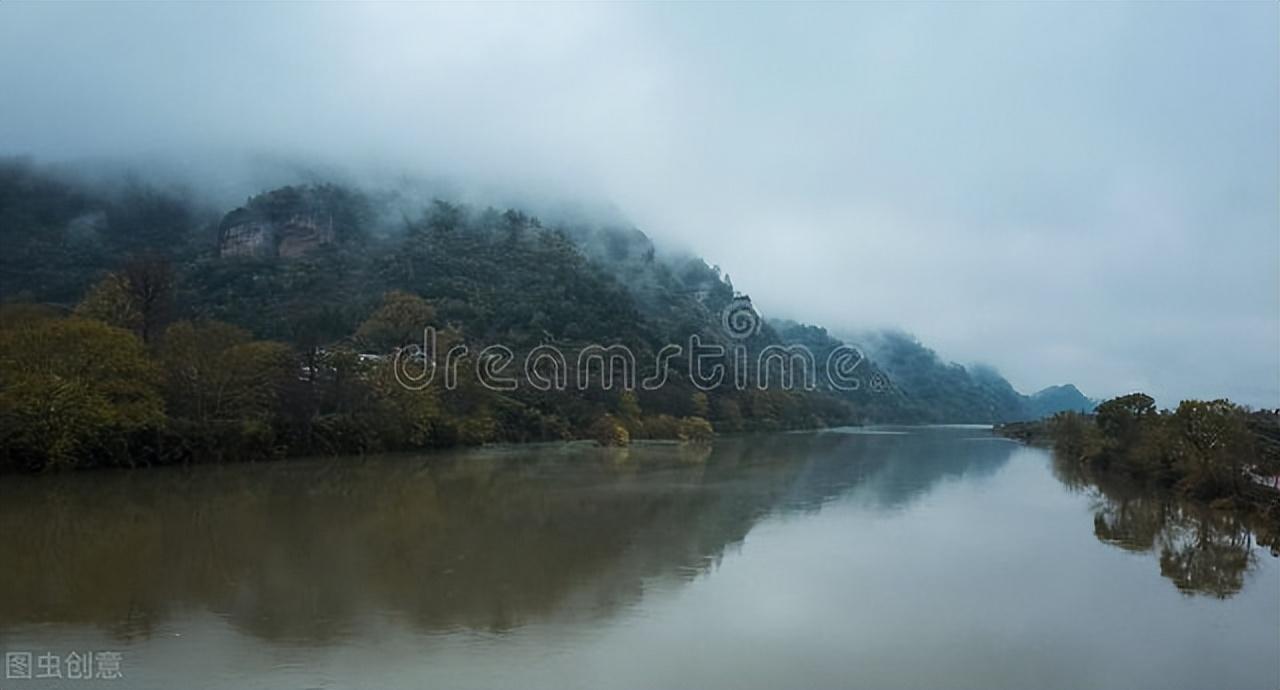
point(142, 325)
point(941, 391)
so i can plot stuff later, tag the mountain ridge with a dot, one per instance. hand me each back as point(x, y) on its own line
point(485, 276)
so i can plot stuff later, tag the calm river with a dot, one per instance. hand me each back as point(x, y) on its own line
point(878, 558)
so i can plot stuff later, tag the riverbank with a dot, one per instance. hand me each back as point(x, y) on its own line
point(1213, 454)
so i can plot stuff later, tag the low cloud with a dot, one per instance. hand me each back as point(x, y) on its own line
point(1074, 192)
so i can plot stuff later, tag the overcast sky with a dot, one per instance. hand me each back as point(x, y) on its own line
point(1075, 192)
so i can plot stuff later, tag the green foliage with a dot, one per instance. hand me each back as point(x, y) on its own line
point(608, 431)
point(483, 277)
point(629, 408)
point(937, 391)
point(346, 210)
point(408, 418)
point(1122, 419)
point(45, 257)
point(74, 392)
point(1218, 444)
point(922, 387)
point(1205, 449)
point(1077, 436)
point(662, 426)
point(138, 297)
point(309, 301)
point(266, 355)
point(399, 322)
point(109, 301)
point(509, 280)
point(696, 430)
point(60, 236)
point(215, 373)
point(701, 404)
point(140, 219)
point(23, 314)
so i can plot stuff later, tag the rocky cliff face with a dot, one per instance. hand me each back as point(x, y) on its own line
point(254, 233)
point(303, 233)
point(246, 236)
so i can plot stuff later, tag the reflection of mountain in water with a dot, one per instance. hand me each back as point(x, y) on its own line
point(891, 469)
point(1202, 551)
point(487, 539)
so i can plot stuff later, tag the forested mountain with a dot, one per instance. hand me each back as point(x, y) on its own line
point(163, 328)
point(940, 391)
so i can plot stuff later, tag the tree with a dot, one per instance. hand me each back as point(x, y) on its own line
point(144, 219)
point(74, 391)
point(701, 406)
point(729, 414)
point(608, 431)
point(1075, 436)
point(629, 408)
point(407, 417)
point(138, 297)
point(1219, 441)
point(19, 314)
point(1121, 419)
point(109, 301)
point(400, 321)
point(150, 282)
point(696, 430)
point(216, 372)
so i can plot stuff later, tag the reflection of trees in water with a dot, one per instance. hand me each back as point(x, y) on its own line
point(487, 540)
point(1207, 554)
point(303, 550)
point(1202, 551)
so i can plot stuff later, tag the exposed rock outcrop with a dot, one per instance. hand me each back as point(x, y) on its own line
point(288, 222)
point(243, 233)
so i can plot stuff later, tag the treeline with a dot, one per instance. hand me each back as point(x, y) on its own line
point(1213, 451)
point(117, 381)
point(86, 390)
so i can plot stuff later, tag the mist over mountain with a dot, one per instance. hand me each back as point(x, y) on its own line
point(1099, 183)
point(310, 264)
point(640, 344)
point(949, 392)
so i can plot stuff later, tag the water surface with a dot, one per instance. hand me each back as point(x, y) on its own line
point(931, 557)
